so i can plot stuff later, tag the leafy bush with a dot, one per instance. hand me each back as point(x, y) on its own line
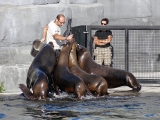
point(2, 87)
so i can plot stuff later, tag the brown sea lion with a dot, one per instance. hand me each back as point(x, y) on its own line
point(64, 79)
point(39, 76)
point(114, 77)
point(96, 84)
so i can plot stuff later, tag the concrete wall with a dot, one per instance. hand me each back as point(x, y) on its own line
point(79, 1)
point(22, 22)
point(131, 12)
point(28, 2)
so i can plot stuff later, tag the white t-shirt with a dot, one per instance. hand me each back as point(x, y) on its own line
point(54, 29)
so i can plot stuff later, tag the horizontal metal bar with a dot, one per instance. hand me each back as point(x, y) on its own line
point(97, 27)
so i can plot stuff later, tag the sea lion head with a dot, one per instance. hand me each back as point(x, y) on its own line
point(81, 50)
point(74, 46)
point(67, 45)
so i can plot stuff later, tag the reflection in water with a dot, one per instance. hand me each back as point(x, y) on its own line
point(65, 107)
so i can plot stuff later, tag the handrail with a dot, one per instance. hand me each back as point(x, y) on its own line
point(97, 27)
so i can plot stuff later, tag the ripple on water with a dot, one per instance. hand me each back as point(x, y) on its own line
point(91, 108)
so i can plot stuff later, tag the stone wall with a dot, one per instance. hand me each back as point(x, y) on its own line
point(22, 22)
point(131, 12)
point(79, 1)
point(28, 2)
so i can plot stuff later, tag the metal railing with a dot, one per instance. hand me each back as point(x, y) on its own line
point(140, 36)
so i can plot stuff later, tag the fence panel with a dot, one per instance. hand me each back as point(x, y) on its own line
point(144, 53)
point(136, 49)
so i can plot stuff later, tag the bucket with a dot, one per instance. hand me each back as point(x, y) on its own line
point(36, 47)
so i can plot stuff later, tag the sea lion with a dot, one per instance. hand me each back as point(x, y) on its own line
point(64, 79)
point(114, 77)
point(36, 47)
point(39, 76)
point(40, 86)
point(96, 84)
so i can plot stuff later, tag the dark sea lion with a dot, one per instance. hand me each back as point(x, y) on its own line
point(36, 47)
point(40, 87)
point(39, 76)
point(114, 77)
point(96, 84)
point(64, 79)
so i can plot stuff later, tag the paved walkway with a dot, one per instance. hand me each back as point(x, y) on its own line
point(146, 88)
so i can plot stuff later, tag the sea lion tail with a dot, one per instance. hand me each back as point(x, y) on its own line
point(26, 91)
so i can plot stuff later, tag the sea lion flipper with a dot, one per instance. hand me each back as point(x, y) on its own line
point(51, 95)
point(88, 92)
point(26, 91)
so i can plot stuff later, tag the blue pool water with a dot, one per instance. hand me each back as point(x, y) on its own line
point(116, 106)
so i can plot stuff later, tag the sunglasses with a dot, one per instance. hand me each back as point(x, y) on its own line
point(61, 22)
point(103, 24)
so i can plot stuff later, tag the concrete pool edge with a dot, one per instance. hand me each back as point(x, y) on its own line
point(146, 88)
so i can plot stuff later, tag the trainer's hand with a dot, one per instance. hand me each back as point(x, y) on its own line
point(69, 38)
point(42, 40)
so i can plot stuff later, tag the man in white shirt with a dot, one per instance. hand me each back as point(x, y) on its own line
point(52, 34)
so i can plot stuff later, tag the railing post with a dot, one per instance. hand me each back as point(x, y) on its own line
point(89, 42)
point(126, 49)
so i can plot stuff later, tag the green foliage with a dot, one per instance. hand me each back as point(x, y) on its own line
point(2, 87)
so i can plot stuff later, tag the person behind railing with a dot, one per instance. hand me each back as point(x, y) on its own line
point(52, 34)
point(102, 39)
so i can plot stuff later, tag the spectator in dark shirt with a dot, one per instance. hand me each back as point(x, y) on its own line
point(102, 51)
